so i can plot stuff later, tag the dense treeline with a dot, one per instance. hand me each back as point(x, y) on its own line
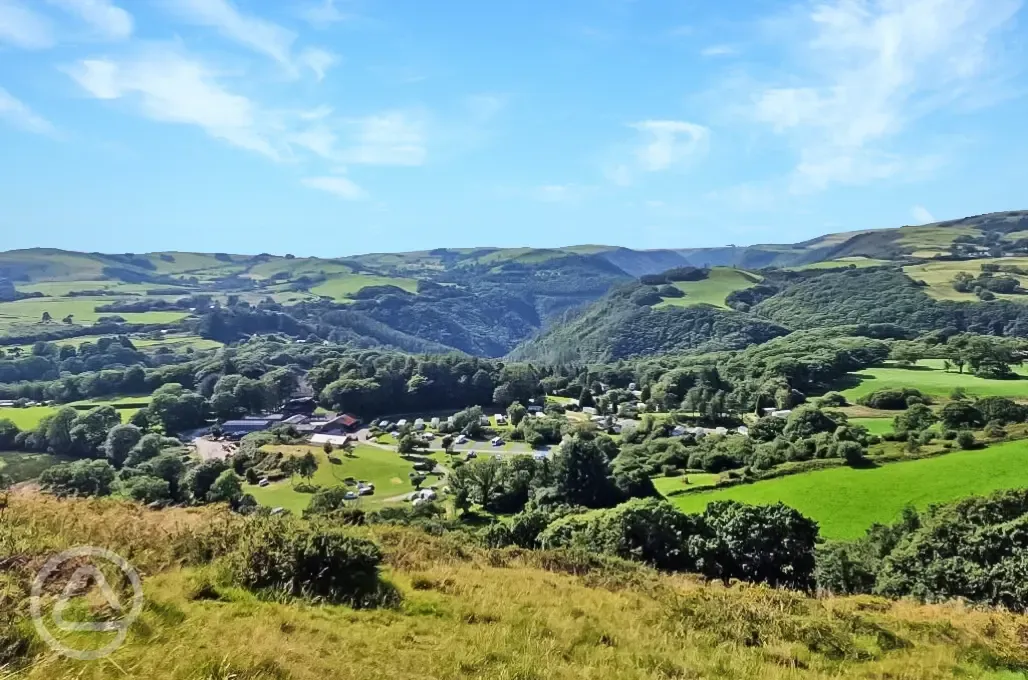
point(972, 549)
point(625, 325)
point(886, 296)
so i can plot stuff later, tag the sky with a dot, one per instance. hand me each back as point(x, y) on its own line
point(337, 127)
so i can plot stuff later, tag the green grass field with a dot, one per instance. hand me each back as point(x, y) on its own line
point(712, 290)
point(929, 377)
point(846, 501)
point(668, 486)
point(857, 261)
point(340, 287)
point(932, 237)
point(28, 418)
point(30, 311)
point(17, 466)
point(939, 277)
point(385, 469)
point(877, 426)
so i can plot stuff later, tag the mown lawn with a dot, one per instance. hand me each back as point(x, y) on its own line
point(714, 289)
point(385, 469)
point(929, 377)
point(846, 501)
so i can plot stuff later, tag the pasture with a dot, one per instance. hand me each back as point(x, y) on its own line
point(385, 469)
point(28, 418)
point(939, 277)
point(712, 290)
point(30, 311)
point(877, 426)
point(929, 377)
point(857, 261)
point(342, 287)
point(18, 466)
point(846, 501)
point(671, 486)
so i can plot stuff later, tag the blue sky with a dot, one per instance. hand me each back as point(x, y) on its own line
point(334, 127)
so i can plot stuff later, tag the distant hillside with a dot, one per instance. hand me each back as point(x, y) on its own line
point(487, 301)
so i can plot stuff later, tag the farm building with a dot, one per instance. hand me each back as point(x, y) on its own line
point(333, 439)
point(238, 428)
point(341, 424)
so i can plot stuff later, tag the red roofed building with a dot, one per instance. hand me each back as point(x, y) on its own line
point(345, 423)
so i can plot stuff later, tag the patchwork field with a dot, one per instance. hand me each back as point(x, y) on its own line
point(28, 418)
point(668, 486)
point(939, 277)
point(846, 501)
point(929, 377)
point(714, 289)
point(385, 469)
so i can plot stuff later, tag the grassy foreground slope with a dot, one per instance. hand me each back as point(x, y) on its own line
point(846, 501)
point(470, 613)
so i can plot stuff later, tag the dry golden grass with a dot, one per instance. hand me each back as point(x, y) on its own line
point(471, 613)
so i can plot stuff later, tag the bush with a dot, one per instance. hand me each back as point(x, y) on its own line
point(949, 435)
point(833, 399)
point(994, 430)
point(966, 440)
point(285, 556)
point(891, 399)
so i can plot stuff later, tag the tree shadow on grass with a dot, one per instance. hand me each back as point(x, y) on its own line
point(864, 464)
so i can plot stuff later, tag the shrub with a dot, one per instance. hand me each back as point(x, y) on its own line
point(994, 430)
point(949, 435)
point(290, 557)
point(966, 440)
point(833, 399)
point(891, 399)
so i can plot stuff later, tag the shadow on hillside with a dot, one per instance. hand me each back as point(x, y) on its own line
point(865, 464)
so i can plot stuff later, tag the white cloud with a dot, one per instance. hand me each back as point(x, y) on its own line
point(718, 51)
point(174, 88)
point(868, 69)
point(21, 27)
point(921, 215)
point(337, 186)
point(669, 143)
point(107, 19)
point(323, 14)
point(318, 60)
point(393, 138)
point(20, 115)
point(257, 34)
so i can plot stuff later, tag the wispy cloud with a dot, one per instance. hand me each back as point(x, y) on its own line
point(393, 138)
point(322, 14)
point(921, 215)
point(171, 87)
point(719, 51)
point(668, 143)
point(21, 27)
point(262, 36)
point(106, 18)
point(318, 60)
point(866, 71)
point(20, 115)
point(255, 33)
point(337, 186)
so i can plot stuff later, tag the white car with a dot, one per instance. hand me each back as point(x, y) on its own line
point(350, 496)
point(264, 482)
